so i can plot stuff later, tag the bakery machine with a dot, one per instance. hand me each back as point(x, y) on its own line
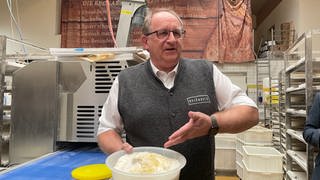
point(60, 100)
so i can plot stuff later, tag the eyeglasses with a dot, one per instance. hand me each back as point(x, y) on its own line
point(164, 33)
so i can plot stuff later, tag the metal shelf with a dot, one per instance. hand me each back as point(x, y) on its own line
point(296, 175)
point(296, 134)
point(300, 83)
point(299, 157)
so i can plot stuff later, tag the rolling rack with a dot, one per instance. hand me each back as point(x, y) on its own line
point(302, 80)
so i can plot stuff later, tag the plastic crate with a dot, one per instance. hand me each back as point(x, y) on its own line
point(249, 174)
point(257, 134)
point(240, 143)
point(267, 159)
point(225, 141)
point(239, 167)
point(239, 157)
point(225, 159)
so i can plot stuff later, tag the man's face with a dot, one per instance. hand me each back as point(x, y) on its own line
point(164, 43)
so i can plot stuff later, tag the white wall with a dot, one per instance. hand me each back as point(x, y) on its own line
point(38, 19)
point(304, 14)
point(247, 69)
point(286, 11)
point(309, 15)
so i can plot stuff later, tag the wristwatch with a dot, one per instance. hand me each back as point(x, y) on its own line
point(214, 125)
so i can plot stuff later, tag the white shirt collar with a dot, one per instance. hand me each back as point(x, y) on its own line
point(166, 78)
point(156, 70)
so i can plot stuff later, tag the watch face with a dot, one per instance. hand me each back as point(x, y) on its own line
point(214, 125)
point(214, 131)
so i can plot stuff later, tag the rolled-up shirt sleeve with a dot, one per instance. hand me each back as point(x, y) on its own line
point(110, 117)
point(228, 94)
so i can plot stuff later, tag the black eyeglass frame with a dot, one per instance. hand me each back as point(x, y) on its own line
point(180, 34)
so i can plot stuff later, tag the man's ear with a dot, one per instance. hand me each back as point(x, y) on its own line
point(144, 40)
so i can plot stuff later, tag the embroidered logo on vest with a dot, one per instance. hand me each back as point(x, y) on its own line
point(200, 99)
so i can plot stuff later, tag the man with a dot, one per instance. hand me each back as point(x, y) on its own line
point(173, 102)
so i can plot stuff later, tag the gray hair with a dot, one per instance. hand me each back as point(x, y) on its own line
point(151, 12)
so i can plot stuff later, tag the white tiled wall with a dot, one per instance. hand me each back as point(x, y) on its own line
point(247, 69)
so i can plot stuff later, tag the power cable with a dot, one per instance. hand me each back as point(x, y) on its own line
point(110, 23)
point(9, 4)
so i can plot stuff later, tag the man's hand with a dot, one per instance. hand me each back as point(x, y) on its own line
point(110, 142)
point(199, 125)
point(127, 147)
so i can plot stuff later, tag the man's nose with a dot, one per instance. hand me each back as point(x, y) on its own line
point(171, 36)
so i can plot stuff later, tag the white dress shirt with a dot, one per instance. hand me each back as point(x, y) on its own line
point(227, 94)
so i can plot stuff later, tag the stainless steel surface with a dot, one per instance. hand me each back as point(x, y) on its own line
point(34, 110)
point(5, 135)
point(11, 63)
point(58, 101)
point(4, 124)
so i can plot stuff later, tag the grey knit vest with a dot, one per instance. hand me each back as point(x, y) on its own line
point(151, 112)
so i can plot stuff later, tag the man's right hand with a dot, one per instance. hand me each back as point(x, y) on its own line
point(127, 147)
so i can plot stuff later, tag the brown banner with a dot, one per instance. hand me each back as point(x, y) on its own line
point(217, 30)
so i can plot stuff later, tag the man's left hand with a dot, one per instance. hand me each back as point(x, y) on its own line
point(199, 125)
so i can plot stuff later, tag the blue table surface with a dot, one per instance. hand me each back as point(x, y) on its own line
point(55, 166)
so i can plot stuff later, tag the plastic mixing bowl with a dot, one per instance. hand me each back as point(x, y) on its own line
point(169, 175)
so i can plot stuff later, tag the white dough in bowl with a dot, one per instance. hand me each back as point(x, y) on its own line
point(145, 163)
